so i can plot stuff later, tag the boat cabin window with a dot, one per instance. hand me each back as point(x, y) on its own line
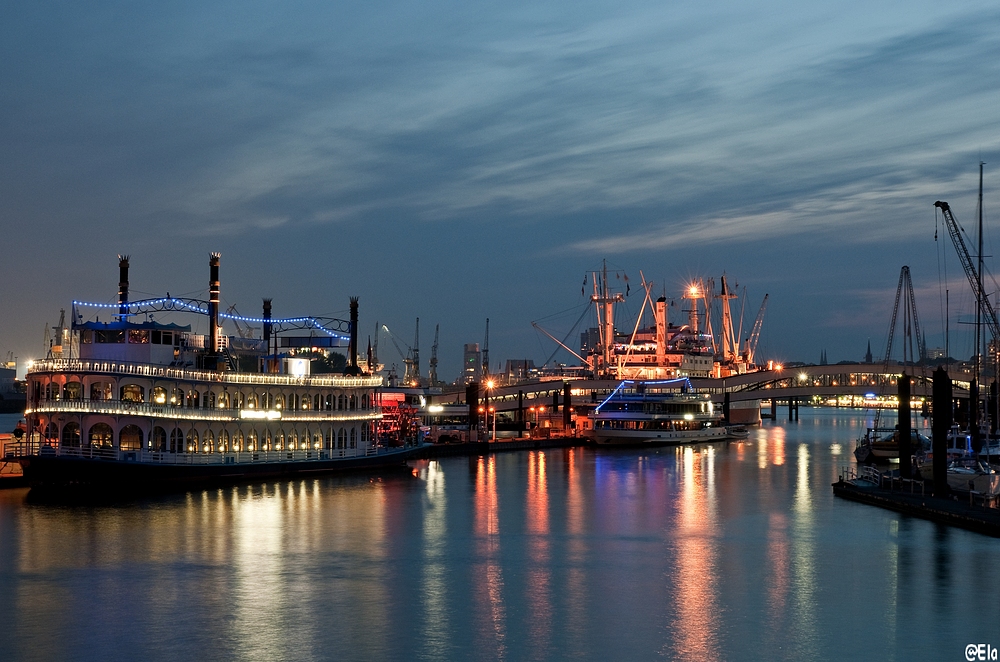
point(73, 391)
point(132, 393)
point(100, 391)
point(209, 442)
point(159, 395)
point(163, 337)
point(176, 441)
point(192, 442)
point(138, 337)
point(100, 435)
point(109, 336)
point(71, 435)
point(52, 432)
point(279, 402)
point(130, 438)
point(193, 399)
point(158, 440)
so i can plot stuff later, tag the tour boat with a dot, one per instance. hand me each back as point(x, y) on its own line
point(651, 413)
point(147, 404)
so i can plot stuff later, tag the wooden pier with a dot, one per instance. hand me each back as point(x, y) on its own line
point(968, 510)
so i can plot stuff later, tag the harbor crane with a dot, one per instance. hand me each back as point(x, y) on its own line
point(432, 366)
point(955, 231)
point(750, 349)
point(411, 377)
point(243, 332)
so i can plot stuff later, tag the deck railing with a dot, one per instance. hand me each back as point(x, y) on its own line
point(130, 408)
point(24, 449)
point(167, 372)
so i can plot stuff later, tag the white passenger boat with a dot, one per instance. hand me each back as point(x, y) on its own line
point(640, 413)
point(144, 404)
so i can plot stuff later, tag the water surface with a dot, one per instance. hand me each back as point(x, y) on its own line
point(729, 551)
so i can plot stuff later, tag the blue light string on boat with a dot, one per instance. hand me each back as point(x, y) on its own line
point(198, 309)
point(171, 301)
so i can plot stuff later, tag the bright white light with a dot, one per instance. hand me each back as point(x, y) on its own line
point(270, 414)
point(297, 367)
point(435, 409)
point(688, 417)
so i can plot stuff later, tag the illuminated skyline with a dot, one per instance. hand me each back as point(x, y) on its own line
point(454, 163)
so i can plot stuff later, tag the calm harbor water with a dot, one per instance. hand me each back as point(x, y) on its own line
point(730, 551)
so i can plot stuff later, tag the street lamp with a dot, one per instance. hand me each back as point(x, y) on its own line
point(489, 388)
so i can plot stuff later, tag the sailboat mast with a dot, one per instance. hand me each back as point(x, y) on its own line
point(974, 387)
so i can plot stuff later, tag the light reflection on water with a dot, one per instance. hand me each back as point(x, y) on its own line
point(725, 551)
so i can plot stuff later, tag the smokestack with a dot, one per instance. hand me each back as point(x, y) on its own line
point(661, 331)
point(352, 359)
point(213, 300)
point(267, 325)
point(123, 284)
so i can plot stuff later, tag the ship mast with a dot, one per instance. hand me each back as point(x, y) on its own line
point(974, 386)
point(729, 347)
point(606, 322)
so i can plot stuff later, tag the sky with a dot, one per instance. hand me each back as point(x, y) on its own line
point(459, 161)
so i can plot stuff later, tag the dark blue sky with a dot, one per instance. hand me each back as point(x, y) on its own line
point(459, 161)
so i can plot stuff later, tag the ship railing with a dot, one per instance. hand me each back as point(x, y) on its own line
point(147, 370)
point(128, 407)
point(870, 474)
point(22, 449)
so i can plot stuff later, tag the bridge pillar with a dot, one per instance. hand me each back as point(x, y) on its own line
point(904, 427)
point(793, 409)
point(520, 414)
point(774, 409)
point(940, 425)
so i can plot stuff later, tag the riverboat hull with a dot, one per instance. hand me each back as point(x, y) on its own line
point(661, 438)
point(129, 473)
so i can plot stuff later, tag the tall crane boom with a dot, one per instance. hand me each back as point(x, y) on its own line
point(432, 368)
point(909, 318)
point(750, 351)
point(955, 232)
point(415, 377)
